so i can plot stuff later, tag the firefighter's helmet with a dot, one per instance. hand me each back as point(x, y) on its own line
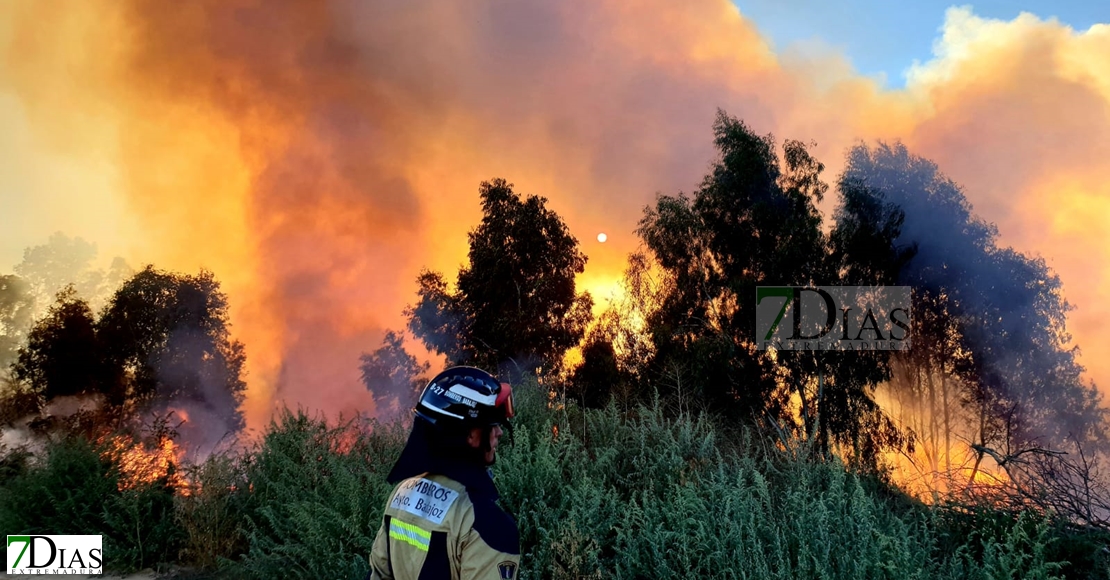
point(465, 397)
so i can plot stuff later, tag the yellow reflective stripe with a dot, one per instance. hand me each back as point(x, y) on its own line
point(399, 536)
point(409, 527)
point(410, 534)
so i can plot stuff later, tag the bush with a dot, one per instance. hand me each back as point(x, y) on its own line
point(74, 489)
point(596, 493)
point(61, 493)
point(212, 513)
point(600, 494)
point(316, 497)
point(140, 528)
point(1084, 551)
point(13, 462)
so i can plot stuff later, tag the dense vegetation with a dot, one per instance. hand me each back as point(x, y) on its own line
point(597, 494)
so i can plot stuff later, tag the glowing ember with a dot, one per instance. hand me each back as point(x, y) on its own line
point(181, 414)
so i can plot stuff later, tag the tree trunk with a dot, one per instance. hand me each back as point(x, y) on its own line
point(947, 421)
point(933, 435)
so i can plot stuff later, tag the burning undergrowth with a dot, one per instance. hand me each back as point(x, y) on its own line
point(158, 448)
point(150, 458)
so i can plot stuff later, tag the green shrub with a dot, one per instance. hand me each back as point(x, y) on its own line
point(316, 495)
point(140, 530)
point(212, 513)
point(596, 494)
point(1084, 551)
point(601, 494)
point(1021, 554)
point(74, 489)
point(13, 462)
point(63, 492)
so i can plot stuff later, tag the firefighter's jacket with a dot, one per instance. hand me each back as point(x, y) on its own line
point(443, 523)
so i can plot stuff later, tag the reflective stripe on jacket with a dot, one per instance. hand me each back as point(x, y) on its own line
point(434, 529)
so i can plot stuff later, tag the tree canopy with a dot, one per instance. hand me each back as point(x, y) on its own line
point(993, 320)
point(754, 222)
point(167, 339)
point(990, 345)
point(163, 341)
point(16, 311)
point(393, 375)
point(59, 264)
point(63, 355)
point(515, 301)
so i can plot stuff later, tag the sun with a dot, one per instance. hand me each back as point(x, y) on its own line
point(602, 237)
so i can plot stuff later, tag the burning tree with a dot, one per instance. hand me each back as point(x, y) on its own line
point(992, 385)
point(167, 339)
point(162, 349)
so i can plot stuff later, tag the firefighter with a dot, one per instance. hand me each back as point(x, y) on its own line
point(442, 519)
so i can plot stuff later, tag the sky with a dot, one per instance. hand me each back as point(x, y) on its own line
point(317, 155)
point(884, 39)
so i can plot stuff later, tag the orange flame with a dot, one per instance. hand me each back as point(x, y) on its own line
point(141, 463)
point(181, 414)
point(962, 472)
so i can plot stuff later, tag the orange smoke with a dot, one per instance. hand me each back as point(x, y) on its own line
point(315, 155)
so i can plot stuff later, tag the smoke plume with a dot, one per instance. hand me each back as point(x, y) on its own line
point(314, 155)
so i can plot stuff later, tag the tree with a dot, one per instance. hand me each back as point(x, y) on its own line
point(863, 250)
point(16, 308)
point(618, 350)
point(866, 244)
point(754, 222)
point(167, 339)
point(439, 319)
point(62, 261)
point(393, 375)
point(59, 262)
point(992, 362)
point(98, 286)
point(598, 375)
point(741, 228)
point(515, 300)
point(63, 356)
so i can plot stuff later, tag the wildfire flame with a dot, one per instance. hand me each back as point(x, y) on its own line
point(969, 474)
point(144, 463)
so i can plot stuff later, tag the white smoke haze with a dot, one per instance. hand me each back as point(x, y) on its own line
point(201, 431)
point(15, 437)
point(315, 155)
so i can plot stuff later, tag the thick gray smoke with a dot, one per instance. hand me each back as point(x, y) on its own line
point(1009, 307)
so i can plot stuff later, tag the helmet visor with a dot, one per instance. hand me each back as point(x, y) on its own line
point(505, 400)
